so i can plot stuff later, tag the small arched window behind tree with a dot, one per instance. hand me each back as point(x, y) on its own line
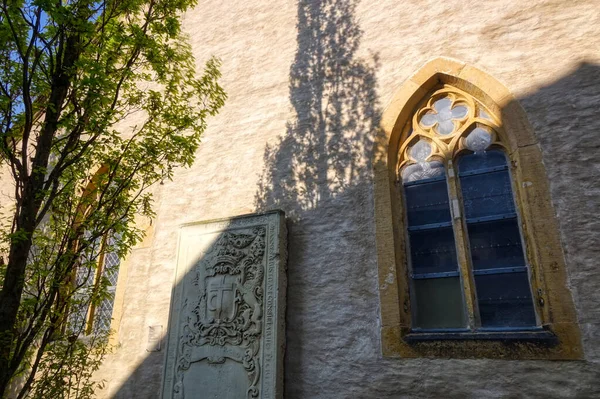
point(108, 273)
point(467, 261)
point(95, 276)
point(98, 268)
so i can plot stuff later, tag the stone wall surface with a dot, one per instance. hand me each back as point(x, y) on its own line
point(307, 82)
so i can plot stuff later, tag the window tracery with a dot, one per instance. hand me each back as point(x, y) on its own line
point(449, 122)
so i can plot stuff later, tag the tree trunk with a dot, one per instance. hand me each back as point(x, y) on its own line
point(27, 214)
point(10, 298)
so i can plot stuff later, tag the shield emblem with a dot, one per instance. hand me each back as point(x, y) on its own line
point(220, 296)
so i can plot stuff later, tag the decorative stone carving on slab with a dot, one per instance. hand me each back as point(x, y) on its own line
point(226, 331)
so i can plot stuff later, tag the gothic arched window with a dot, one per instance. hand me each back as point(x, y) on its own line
point(99, 266)
point(468, 250)
point(463, 229)
point(95, 277)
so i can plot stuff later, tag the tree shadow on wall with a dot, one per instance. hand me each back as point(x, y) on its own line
point(319, 172)
point(326, 147)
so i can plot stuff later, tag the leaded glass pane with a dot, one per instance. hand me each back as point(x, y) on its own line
point(459, 112)
point(439, 303)
point(86, 270)
point(445, 127)
point(482, 160)
point(86, 282)
point(429, 119)
point(110, 271)
point(77, 315)
point(496, 244)
point(442, 106)
point(427, 203)
point(111, 267)
point(505, 300)
point(433, 251)
point(420, 151)
point(487, 194)
point(484, 115)
point(103, 315)
point(85, 275)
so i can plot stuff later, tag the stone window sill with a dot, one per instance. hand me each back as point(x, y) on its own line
point(539, 336)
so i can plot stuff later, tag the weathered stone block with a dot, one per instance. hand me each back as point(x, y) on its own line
point(226, 327)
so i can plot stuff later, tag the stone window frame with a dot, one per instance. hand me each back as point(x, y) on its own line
point(552, 298)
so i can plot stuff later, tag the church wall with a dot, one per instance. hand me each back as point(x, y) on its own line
point(307, 83)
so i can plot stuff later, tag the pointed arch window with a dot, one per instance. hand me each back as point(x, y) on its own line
point(468, 248)
point(466, 256)
point(99, 266)
point(95, 278)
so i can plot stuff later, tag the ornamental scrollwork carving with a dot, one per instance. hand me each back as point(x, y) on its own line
point(447, 122)
point(225, 321)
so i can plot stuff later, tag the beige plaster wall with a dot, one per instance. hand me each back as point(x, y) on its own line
point(307, 83)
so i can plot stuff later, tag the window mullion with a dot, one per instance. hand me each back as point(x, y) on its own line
point(462, 252)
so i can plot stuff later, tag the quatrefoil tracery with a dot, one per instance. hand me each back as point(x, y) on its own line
point(443, 115)
point(448, 122)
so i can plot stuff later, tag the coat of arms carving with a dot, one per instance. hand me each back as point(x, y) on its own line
point(225, 321)
point(225, 333)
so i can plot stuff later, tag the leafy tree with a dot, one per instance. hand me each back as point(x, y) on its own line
point(99, 100)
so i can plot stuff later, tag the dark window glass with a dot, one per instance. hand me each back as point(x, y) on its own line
point(427, 203)
point(439, 303)
point(479, 161)
point(502, 284)
point(496, 244)
point(433, 251)
point(438, 300)
point(487, 194)
point(505, 300)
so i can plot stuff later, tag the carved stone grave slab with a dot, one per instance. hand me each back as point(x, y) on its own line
point(226, 330)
